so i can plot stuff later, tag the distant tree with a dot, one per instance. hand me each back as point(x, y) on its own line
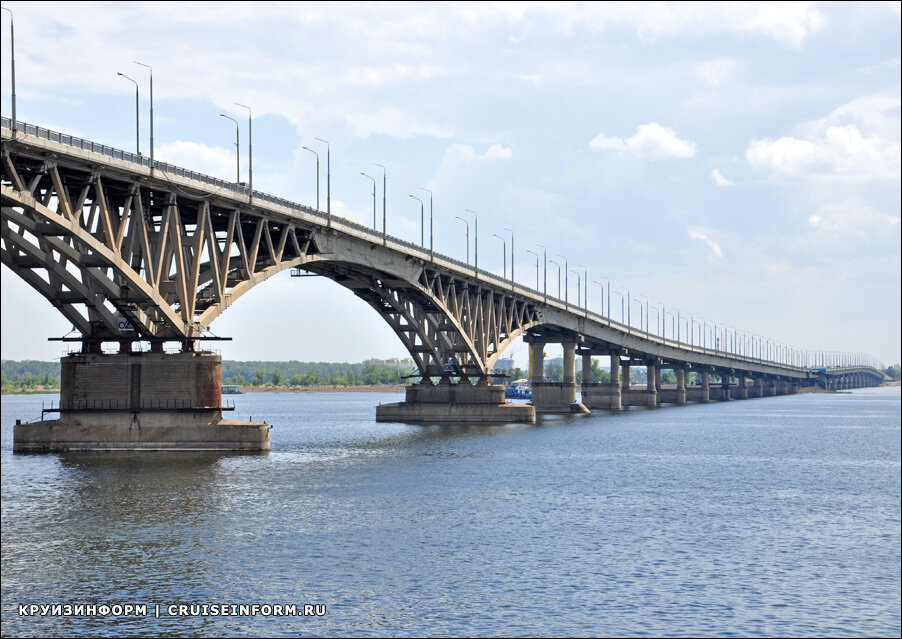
point(276, 378)
point(554, 372)
point(668, 377)
point(259, 377)
point(894, 371)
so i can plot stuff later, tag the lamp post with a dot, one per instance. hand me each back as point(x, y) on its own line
point(504, 241)
point(12, 47)
point(558, 278)
point(422, 221)
point(374, 197)
point(608, 282)
point(384, 178)
point(475, 240)
point(578, 286)
point(600, 295)
point(328, 180)
point(647, 316)
point(237, 150)
point(137, 114)
point(250, 150)
point(566, 282)
point(544, 270)
point(431, 252)
point(151, 109)
point(586, 291)
point(317, 174)
point(537, 267)
point(467, 222)
point(617, 292)
point(513, 251)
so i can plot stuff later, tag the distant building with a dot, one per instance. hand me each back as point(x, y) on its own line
point(504, 365)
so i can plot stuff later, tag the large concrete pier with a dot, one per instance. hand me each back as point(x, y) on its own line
point(140, 401)
point(462, 402)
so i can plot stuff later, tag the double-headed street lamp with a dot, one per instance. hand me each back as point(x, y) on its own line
point(467, 222)
point(250, 150)
point(306, 148)
point(537, 267)
point(558, 277)
point(431, 252)
point(328, 180)
point(147, 66)
point(374, 197)
point(137, 114)
point(566, 282)
point(513, 249)
point(544, 270)
point(384, 178)
point(12, 45)
point(237, 150)
point(504, 242)
point(422, 222)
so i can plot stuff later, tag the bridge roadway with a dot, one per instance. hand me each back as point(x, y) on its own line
point(132, 253)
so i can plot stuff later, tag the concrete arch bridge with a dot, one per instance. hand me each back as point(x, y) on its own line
point(132, 253)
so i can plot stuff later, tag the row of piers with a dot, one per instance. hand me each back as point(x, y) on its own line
point(619, 392)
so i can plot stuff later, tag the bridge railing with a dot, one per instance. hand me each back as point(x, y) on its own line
point(733, 343)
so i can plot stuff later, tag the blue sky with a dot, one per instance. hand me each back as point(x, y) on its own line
point(736, 161)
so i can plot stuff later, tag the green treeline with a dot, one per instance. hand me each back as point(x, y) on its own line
point(296, 373)
point(29, 375)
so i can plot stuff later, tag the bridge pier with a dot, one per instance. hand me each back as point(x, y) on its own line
point(554, 397)
point(702, 392)
point(603, 396)
point(676, 394)
point(460, 403)
point(742, 390)
point(140, 401)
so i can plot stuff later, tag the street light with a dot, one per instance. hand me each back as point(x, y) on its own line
point(237, 150)
point(558, 278)
point(250, 150)
point(566, 281)
point(384, 173)
point(151, 109)
point(617, 292)
point(578, 286)
point(328, 181)
point(544, 270)
point(317, 173)
point(422, 222)
point(12, 46)
point(137, 114)
point(475, 240)
point(431, 253)
point(513, 250)
point(374, 197)
point(537, 267)
point(601, 295)
point(504, 241)
point(586, 280)
point(467, 222)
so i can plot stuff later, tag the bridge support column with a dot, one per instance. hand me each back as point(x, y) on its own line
point(742, 390)
point(603, 396)
point(140, 401)
point(456, 403)
point(681, 385)
point(553, 397)
point(652, 377)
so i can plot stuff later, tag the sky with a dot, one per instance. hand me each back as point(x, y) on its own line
point(740, 162)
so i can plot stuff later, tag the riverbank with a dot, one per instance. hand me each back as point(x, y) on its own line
point(379, 388)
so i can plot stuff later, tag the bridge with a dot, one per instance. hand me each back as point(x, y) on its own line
point(133, 253)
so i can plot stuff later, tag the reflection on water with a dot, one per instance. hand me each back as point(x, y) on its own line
point(768, 517)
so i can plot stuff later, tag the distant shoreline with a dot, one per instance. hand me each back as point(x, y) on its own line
point(382, 388)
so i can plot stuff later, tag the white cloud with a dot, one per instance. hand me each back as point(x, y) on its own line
point(210, 160)
point(715, 253)
point(395, 122)
point(851, 219)
point(464, 153)
point(716, 71)
point(719, 179)
point(859, 140)
point(650, 142)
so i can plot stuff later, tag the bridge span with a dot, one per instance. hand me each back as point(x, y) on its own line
point(133, 253)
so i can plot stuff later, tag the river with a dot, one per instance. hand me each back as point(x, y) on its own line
point(775, 516)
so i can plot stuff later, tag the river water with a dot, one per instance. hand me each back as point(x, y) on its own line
point(774, 516)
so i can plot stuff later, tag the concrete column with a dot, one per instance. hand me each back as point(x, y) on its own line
point(725, 387)
point(587, 368)
point(625, 377)
point(743, 387)
point(615, 368)
point(651, 395)
point(569, 363)
point(537, 363)
point(681, 385)
point(658, 378)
